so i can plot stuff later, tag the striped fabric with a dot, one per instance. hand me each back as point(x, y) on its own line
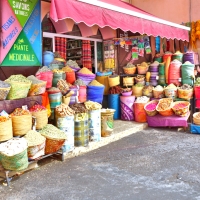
point(86, 54)
point(61, 46)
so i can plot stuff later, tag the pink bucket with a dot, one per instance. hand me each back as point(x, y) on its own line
point(46, 76)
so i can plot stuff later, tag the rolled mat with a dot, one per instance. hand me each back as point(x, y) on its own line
point(114, 103)
point(127, 109)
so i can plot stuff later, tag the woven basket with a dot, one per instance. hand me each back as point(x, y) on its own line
point(21, 124)
point(16, 163)
point(18, 90)
point(41, 118)
point(195, 119)
point(129, 70)
point(53, 145)
point(152, 112)
point(113, 81)
point(142, 69)
point(181, 111)
point(37, 89)
point(6, 131)
point(137, 91)
point(158, 94)
point(168, 111)
point(185, 94)
point(128, 81)
point(4, 93)
point(170, 92)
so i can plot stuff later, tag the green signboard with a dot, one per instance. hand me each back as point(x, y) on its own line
point(22, 9)
point(21, 53)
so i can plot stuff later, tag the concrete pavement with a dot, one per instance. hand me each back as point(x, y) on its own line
point(150, 164)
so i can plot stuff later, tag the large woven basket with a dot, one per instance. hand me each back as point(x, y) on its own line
point(21, 124)
point(185, 94)
point(128, 81)
point(168, 111)
point(137, 91)
point(196, 120)
point(142, 69)
point(151, 112)
point(129, 70)
point(6, 130)
point(37, 89)
point(181, 111)
point(113, 81)
point(16, 163)
point(18, 90)
point(158, 94)
point(41, 118)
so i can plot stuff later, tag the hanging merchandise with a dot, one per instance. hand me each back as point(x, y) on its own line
point(86, 55)
point(167, 60)
point(61, 46)
point(147, 44)
point(141, 47)
point(158, 44)
point(135, 49)
point(109, 54)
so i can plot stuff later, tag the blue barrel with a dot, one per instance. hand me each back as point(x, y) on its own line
point(95, 93)
point(114, 103)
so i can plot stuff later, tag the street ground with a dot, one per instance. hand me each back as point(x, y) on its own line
point(153, 164)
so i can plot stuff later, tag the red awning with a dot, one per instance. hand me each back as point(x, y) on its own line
point(116, 14)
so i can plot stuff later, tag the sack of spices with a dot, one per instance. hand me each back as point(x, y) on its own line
point(6, 131)
point(40, 112)
point(21, 121)
point(55, 138)
point(13, 154)
point(20, 86)
point(37, 86)
point(36, 144)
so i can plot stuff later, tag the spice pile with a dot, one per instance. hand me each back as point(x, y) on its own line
point(164, 104)
point(85, 70)
point(95, 83)
point(115, 90)
point(142, 99)
point(37, 108)
point(34, 80)
point(50, 131)
point(63, 110)
point(79, 82)
point(67, 69)
point(151, 106)
point(18, 78)
point(78, 108)
point(43, 69)
point(72, 63)
point(19, 112)
point(4, 119)
point(34, 138)
point(91, 105)
point(186, 87)
point(13, 146)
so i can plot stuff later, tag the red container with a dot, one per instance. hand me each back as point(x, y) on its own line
point(82, 94)
point(197, 95)
point(140, 113)
point(46, 76)
point(70, 77)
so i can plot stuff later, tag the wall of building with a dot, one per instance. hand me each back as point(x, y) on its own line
point(176, 11)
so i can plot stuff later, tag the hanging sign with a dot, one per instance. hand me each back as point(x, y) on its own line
point(11, 28)
point(22, 9)
point(23, 46)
